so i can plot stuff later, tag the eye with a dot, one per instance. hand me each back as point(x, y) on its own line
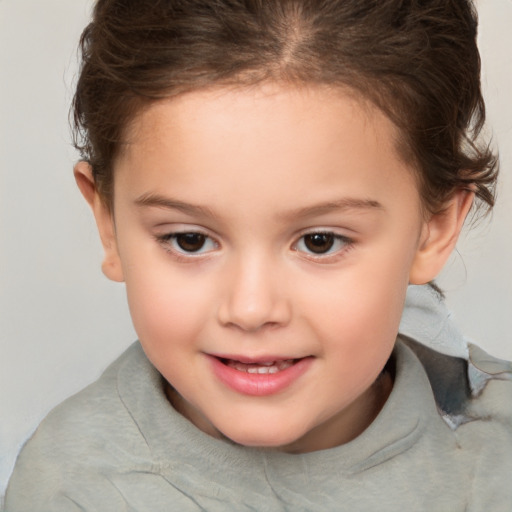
point(191, 242)
point(322, 243)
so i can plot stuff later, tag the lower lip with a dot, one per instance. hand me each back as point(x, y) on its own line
point(257, 384)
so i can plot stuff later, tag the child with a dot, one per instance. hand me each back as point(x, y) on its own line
point(268, 178)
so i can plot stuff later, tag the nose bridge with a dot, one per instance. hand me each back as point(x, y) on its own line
point(254, 295)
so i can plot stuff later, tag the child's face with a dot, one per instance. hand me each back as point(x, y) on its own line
point(273, 226)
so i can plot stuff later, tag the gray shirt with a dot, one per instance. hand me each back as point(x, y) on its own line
point(120, 446)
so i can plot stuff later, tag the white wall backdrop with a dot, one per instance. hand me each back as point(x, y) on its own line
point(61, 321)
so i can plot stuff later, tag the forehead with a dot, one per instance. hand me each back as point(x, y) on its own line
point(269, 102)
point(296, 140)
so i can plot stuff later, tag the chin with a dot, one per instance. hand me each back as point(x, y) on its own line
point(264, 439)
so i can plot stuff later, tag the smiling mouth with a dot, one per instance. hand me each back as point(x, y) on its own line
point(259, 376)
point(269, 367)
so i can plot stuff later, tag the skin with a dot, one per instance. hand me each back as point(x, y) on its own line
point(256, 170)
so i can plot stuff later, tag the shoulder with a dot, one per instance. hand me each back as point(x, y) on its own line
point(476, 388)
point(487, 434)
point(490, 382)
point(474, 398)
point(484, 369)
point(90, 421)
point(466, 381)
point(92, 429)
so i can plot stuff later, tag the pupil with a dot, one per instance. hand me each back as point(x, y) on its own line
point(190, 242)
point(319, 242)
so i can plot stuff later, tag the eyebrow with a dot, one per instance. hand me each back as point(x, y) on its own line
point(158, 201)
point(344, 204)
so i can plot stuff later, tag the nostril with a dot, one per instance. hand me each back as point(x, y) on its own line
point(253, 302)
point(253, 328)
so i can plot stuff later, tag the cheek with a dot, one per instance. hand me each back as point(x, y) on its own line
point(364, 322)
point(167, 310)
point(359, 309)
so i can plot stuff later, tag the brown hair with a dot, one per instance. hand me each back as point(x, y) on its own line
point(417, 60)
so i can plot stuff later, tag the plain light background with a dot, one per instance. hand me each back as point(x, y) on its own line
point(61, 321)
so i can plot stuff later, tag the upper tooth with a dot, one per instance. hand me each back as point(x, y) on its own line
point(261, 368)
point(282, 365)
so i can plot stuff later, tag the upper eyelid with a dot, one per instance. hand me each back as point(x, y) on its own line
point(327, 231)
point(339, 231)
point(338, 236)
point(169, 232)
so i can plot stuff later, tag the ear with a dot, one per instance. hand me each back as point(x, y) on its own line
point(104, 220)
point(439, 236)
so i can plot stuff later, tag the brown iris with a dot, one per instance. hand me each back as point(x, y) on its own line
point(190, 242)
point(319, 243)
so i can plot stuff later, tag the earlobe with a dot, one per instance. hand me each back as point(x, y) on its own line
point(111, 265)
point(439, 237)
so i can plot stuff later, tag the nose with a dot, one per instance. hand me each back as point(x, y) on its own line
point(254, 296)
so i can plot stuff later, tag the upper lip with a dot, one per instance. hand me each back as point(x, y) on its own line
point(255, 359)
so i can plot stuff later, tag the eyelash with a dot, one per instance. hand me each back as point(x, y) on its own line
point(169, 242)
point(326, 257)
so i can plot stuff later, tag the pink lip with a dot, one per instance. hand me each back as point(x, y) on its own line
point(255, 384)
